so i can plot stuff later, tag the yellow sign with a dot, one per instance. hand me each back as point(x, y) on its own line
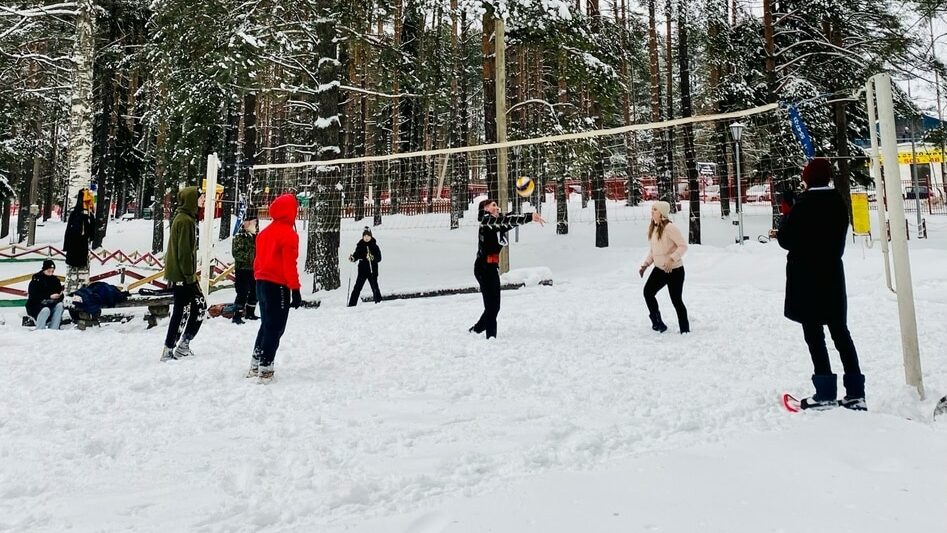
point(861, 224)
point(220, 188)
point(923, 157)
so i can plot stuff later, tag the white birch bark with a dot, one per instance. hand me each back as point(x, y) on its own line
point(80, 119)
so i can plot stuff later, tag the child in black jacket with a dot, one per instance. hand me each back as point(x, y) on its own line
point(368, 255)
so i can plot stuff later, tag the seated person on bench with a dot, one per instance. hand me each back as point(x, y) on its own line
point(44, 303)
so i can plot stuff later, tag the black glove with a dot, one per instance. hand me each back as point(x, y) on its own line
point(297, 299)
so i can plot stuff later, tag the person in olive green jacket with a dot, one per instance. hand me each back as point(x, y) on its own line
point(180, 269)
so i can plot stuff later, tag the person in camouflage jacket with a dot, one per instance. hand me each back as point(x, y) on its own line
point(244, 252)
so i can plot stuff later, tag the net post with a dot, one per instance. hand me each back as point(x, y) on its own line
point(899, 245)
point(503, 183)
point(879, 179)
point(207, 225)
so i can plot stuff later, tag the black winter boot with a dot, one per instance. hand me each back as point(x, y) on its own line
point(237, 317)
point(854, 392)
point(656, 323)
point(826, 392)
point(250, 313)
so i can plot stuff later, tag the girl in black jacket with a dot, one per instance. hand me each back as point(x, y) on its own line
point(368, 255)
point(44, 302)
point(813, 230)
point(491, 240)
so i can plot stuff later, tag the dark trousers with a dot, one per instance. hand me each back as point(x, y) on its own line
point(675, 284)
point(274, 311)
point(815, 338)
point(246, 290)
point(187, 314)
point(488, 276)
point(372, 278)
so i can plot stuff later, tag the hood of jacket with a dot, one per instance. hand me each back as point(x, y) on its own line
point(187, 200)
point(284, 209)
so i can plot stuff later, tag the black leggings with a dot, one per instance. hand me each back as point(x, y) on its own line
point(675, 284)
point(246, 290)
point(815, 338)
point(372, 279)
point(488, 276)
point(187, 313)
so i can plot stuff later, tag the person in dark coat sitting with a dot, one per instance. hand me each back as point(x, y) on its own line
point(813, 230)
point(368, 255)
point(44, 302)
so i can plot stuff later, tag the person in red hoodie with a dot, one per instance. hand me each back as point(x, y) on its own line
point(277, 283)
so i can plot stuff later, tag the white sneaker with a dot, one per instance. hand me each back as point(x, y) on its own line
point(167, 354)
point(183, 350)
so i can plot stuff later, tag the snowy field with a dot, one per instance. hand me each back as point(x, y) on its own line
point(578, 418)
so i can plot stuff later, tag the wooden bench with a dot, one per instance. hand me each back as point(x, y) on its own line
point(158, 307)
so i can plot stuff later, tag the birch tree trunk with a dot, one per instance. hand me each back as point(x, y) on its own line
point(80, 131)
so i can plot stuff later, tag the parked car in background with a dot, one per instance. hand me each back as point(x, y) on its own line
point(758, 193)
point(922, 192)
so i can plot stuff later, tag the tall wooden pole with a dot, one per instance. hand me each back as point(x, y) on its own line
point(502, 177)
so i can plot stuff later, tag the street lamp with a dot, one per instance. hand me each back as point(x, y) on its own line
point(736, 131)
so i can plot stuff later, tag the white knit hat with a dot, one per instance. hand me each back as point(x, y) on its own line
point(664, 208)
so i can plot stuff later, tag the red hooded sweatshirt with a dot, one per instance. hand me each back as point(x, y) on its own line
point(277, 246)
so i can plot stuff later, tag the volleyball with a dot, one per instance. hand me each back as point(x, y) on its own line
point(524, 186)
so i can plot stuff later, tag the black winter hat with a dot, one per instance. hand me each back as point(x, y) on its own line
point(250, 214)
point(48, 264)
point(366, 231)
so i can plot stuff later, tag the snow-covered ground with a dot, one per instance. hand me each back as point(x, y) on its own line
point(392, 418)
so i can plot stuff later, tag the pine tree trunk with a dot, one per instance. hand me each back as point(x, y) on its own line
point(228, 177)
point(633, 186)
point(104, 133)
point(562, 195)
point(23, 195)
point(598, 175)
point(841, 181)
point(659, 142)
point(669, 192)
point(80, 131)
point(395, 169)
point(49, 191)
point(5, 216)
point(375, 141)
point(161, 145)
point(717, 13)
point(489, 100)
point(250, 134)
point(690, 156)
point(325, 208)
point(455, 162)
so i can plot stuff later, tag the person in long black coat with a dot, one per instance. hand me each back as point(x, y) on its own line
point(80, 231)
point(813, 230)
point(368, 255)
